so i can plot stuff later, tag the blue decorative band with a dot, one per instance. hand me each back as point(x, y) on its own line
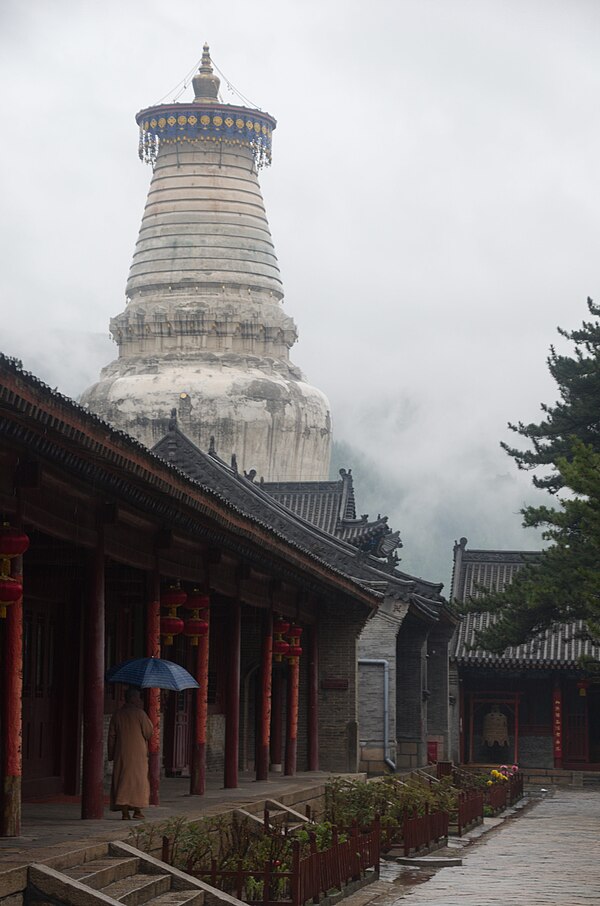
point(169, 123)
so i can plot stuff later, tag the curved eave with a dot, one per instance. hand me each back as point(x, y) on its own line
point(85, 436)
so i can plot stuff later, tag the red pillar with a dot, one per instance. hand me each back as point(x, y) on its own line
point(277, 719)
point(232, 714)
point(10, 817)
point(266, 672)
point(313, 699)
point(153, 695)
point(92, 796)
point(198, 772)
point(291, 742)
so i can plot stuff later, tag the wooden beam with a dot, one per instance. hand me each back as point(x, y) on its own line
point(232, 707)
point(12, 763)
point(153, 695)
point(291, 742)
point(198, 771)
point(266, 672)
point(92, 797)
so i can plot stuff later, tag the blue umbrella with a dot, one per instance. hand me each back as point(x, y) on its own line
point(151, 673)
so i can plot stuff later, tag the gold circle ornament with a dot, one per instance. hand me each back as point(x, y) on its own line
point(249, 124)
point(218, 120)
point(257, 127)
point(162, 122)
point(192, 120)
point(182, 120)
point(239, 123)
point(204, 119)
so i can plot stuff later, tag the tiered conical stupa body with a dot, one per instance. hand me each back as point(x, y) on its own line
point(204, 330)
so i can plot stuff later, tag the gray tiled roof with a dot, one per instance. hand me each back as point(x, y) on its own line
point(559, 646)
point(253, 498)
point(331, 506)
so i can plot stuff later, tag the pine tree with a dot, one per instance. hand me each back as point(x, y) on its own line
point(564, 584)
point(576, 414)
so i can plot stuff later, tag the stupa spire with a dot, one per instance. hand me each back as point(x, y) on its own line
point(203, 327)
point(206, 83)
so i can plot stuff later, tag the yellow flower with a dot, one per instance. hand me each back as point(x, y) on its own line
point(490, 783)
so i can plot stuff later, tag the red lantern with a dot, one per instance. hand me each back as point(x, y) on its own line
point(294, 650)
point(194, 629)
point(10, 591)
point(280, 646)
point(280, 649)
point(13, 543)
point(173, 598)
point(197, 601)
point(170, 626)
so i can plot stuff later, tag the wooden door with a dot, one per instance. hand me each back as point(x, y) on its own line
point(41, 718)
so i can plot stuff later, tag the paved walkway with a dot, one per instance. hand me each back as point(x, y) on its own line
point(547, 855)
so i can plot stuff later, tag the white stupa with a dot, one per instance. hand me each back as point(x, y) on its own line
point(204, 330)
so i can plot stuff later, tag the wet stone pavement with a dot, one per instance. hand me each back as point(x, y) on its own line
point(548, 853)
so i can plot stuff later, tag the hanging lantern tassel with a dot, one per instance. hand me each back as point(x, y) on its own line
point(195, 626)
point(294, 650)
point(280, 646)
point(172, 625)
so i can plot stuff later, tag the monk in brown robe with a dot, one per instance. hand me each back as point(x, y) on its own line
point(128, 735)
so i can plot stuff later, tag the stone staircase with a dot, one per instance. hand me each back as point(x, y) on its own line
point(115, 873)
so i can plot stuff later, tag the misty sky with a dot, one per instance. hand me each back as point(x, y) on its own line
point(433, 202)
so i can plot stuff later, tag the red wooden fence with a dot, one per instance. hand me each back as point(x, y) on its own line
point(310, 877)
point(470, 810)
point(419, 831)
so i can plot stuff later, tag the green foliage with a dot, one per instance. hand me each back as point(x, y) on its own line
point(392, 799)
point(576, 412)
point(562, 585)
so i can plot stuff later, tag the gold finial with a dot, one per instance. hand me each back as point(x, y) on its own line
point(206, 83)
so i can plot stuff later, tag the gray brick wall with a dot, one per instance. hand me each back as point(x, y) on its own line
point(454, 712)
point(411, 705)
point(438, 686)
point(339, 629)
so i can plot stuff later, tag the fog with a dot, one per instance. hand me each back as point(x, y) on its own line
point(433, 201)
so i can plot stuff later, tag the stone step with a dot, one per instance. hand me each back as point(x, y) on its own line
point(102, 872)
point(137, 889)
point(179, 898)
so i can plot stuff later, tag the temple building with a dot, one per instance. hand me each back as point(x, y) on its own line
point(204, 328)
point(203, 376)
point(536, 704)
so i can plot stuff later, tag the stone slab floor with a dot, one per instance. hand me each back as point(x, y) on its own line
point(546, 854)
